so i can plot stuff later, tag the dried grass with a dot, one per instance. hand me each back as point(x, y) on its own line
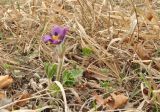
point(124, 36)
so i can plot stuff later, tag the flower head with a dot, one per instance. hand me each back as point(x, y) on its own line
point(57, 35)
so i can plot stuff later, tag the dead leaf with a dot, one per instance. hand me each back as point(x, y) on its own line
point(152, 16)
point(5, 81)
point(2, 95)
point(149, 15)
point(94, 75)
point(116, 101)
point(23, 96)
point(150, 12)
point(99, 99)
point(93, 85)
point(141, 51)
point(126, 39)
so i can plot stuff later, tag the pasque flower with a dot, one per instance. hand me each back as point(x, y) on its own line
point(56, 36)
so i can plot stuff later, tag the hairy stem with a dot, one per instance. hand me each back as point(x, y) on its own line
point(61, 50)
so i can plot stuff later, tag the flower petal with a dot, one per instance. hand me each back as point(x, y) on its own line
point(56, 30)
point(60, 31)
point(63, 33)
point(47, 38)
point(55, 41)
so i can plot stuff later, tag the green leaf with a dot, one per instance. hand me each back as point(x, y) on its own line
point(66, 75)
point(70, 82)
point(87, 51)
point(7, 66)
point(1, 35)
point(54, 89)
point(104, 70)
point(76, 73)
point(50, 69)
point(70, 76)
point(105, 84)
point(46, 67)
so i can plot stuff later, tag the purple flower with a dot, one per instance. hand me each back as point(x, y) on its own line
point(57, 35)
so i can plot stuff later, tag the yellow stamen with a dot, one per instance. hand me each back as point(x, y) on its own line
point(55, 37)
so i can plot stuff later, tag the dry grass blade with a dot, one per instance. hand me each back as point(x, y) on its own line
point(76, 95)
point(36, 110)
